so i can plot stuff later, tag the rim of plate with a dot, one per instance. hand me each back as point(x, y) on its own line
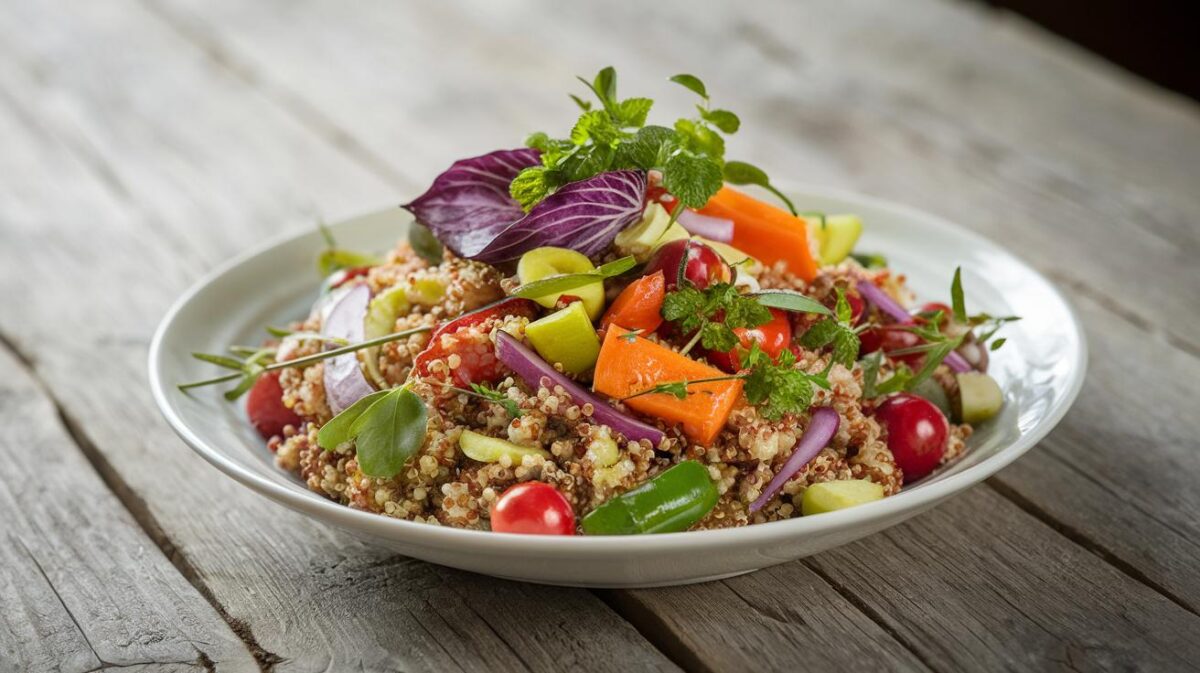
point(555, 545)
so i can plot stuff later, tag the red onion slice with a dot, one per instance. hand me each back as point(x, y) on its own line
point(532, 369)
point(706, 226)
point(821, 429)
point(884, 302)
point(344, 380)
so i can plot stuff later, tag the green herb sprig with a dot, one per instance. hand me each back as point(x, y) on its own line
point(837, 331)
point(388, 428)
point(712, 314)
point(776, 386)
point(249, 369)
point(690, 154)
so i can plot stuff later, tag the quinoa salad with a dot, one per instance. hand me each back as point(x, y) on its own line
point(619, 331)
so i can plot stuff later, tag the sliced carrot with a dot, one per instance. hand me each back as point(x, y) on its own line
point(639, 306)
point(629, 364)
point(763, 231)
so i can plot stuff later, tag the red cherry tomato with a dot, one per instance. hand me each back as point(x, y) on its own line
point(533, 507)
point(890, 338)
point(916, 433)
point(704, 266)
point(658, 194)
point(478, 361)
point(772, 337)
point(264, 406)
point(341, 276)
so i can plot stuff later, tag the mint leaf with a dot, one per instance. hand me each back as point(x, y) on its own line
point(530, 186)
point(692, 179)
point(700, 139)
point(390, 432)
point(583, 104)
point(648, 148)
point(632, 112)
point(605, 85)
point(692, 83)
point(725, 120)
point(819, 335)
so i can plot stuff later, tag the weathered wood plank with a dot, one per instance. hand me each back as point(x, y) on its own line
point(977, 585)
point(1030, 160)
point(131, 163)
point(81, 584)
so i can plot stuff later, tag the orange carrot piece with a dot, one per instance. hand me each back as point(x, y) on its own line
point(629, 364)
point(763, 231)
point(639, 306)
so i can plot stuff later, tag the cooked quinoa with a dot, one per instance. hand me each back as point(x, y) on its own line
point(588, 462)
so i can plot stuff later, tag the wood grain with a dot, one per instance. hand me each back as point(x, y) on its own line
point(151, 140)
point(929, 92)
point(81, 584)
point(117, 199)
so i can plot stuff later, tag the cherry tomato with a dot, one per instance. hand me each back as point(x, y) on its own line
point(656, 193)
point(772, 337)
point(891, 338)
point(264, 406)
point(477, 356)
point(916, 433)
point(704, 266)
point(533, 507)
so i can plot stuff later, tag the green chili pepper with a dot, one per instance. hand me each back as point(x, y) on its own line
point(670, 502)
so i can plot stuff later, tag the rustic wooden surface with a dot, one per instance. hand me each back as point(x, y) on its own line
point(144, 141)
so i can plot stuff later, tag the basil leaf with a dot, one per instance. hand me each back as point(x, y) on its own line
point(425, 244)
point(337, 430)
point(390, 432)
point(789, 300)
point(573, 281)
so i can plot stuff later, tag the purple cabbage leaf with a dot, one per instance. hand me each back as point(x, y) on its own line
point(469, 209)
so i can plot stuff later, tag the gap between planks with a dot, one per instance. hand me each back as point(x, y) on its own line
point(137, 508)
point(648, 624)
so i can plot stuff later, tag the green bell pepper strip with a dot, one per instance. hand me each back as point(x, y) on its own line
point(668, 503)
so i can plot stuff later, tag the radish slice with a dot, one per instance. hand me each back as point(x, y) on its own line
point(705, 226)
point(817, 435)
point(344, 380)
point(532, 369)
point(884, 302)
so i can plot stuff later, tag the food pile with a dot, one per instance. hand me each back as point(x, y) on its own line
point(600, 334)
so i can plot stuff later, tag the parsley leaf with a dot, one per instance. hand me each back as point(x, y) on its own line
point(837, 331)
point(778, 388)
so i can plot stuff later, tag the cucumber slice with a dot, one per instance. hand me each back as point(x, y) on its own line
point(491, 449)
point(381, 317)
point(566, 336)
point(829, 496)
point(548, 261)
point(838, 236)
point(979, 397)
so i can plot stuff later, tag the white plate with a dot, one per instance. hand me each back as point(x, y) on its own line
point(1041, 369)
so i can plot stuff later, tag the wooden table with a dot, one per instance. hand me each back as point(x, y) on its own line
point(142, 142)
